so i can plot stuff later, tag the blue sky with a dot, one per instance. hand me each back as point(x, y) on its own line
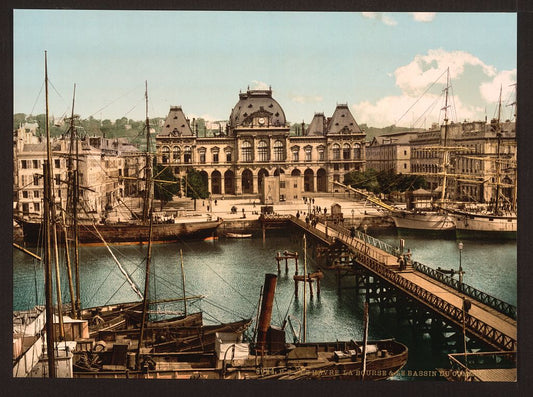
point(377, 63)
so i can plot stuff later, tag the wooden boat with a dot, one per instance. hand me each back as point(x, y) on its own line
point(132, 232)
point(135, 230)
point(239, 235)
point(269, 357)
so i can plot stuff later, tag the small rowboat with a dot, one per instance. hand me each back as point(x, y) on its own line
point(238, 235)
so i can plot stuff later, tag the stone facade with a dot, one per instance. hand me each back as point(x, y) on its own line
point(103, 163)
point(257, 143)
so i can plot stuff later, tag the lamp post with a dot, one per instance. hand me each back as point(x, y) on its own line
point(460, 246)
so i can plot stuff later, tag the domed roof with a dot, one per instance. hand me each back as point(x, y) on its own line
point(257, 103)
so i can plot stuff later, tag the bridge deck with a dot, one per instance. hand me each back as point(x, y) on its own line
point(482, 320)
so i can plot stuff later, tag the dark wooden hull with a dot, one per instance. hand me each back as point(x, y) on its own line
point(384, 363)
point(128, 233)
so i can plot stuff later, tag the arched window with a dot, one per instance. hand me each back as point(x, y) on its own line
point(336, 150)
point(187, 157)
point(262, 151)
point(165, 154)
point(346, 152)
point(279, 152)
point(176, 154)
point(246, 152)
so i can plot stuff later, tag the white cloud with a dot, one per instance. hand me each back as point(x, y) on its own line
point(306, 98)
point(416, 76)
point(407, 111)
point(388, 21)
point(490, 91)
point(370, 15)
point(259, 85)
point(379, 16)
point(411, 108)
point(423, 16)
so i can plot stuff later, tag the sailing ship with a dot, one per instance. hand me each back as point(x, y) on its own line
point(165, 228)
point(63, 334)
point(432, 218)
point(268, 357)
point(498, 219)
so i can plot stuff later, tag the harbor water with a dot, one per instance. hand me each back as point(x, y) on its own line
point(229, 273)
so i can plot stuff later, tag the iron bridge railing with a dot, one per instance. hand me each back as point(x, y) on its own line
point(495, 303)
point(477, 327)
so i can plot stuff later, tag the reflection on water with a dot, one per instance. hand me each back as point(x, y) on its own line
point(230, 273)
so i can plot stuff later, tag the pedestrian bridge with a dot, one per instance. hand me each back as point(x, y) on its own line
point(488, 319)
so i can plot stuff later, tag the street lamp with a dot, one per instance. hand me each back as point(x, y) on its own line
point(460, 246)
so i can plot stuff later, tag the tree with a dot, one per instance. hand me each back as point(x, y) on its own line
point(165, 191)
point(196, 185)
point(363, 180)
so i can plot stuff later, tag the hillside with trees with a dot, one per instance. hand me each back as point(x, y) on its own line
point(134, 129)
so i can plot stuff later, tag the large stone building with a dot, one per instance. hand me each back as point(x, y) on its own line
point(390, 152)
point(473, 169)
point(102, 164)
point(257, 143)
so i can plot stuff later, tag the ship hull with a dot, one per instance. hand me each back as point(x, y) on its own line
point(470, 225)
point(389, 357)
point(129, 233)
point(424, 221)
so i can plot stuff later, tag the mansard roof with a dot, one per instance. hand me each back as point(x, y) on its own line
point(176, 124)
point(260, 103)
point(317, 126)
point(343, 122)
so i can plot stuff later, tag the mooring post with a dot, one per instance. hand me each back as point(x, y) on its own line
point(296, 288)
point(296, 263)
point(318, 286)
point(286, 265)
point(277, 261)
point(310, 281)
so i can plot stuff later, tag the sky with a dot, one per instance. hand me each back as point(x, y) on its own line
point(390, 68)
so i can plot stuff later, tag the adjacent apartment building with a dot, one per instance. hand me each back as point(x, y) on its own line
point(102, 165)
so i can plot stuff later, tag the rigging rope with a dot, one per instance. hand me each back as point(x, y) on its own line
point(131, 282)
point(420, 97)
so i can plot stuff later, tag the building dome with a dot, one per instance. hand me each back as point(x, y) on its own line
point(257, 108)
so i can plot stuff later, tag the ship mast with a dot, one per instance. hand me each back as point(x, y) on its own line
point(47, 229)
point(145, 295)
point(498, 143)
point(72, 208)
point(148, 166)
point(445, 152)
